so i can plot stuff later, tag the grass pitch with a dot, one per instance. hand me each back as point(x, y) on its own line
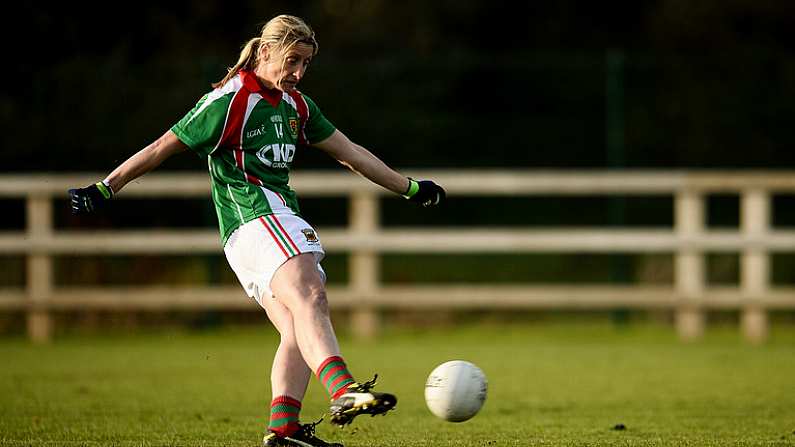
point(549, 384)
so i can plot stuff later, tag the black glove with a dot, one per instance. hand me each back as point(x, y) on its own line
point(92, 197)
point(425, 192)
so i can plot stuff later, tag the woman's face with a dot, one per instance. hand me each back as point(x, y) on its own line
point(284, 71)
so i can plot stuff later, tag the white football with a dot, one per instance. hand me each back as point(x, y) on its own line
point(455, 390)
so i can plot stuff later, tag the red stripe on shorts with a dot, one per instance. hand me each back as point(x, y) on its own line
point(286, 234)
point(275, 238)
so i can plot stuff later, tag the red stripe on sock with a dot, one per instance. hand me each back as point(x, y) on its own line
point(341, 391)
point(286, 400)
point(331, 372)
point(291, 426)
point(281, 415)
point(339, 380)
point(325, 363)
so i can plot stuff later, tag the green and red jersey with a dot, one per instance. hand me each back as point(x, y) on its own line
point(249, 134)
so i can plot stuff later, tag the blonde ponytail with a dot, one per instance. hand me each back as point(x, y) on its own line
point(280, 34)
point(246, 61)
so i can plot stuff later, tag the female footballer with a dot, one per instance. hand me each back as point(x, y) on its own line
point(249, 128)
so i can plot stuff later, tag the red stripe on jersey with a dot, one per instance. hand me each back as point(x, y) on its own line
point(230, 138)
point(275, 238)
point(286, 234)
point(303, 114)
point(251, 179)
point(241, 164)
point(254, 85)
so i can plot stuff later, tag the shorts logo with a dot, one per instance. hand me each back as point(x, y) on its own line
point(310, 236)
point(293, 127)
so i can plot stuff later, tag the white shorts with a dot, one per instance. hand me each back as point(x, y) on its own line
point(256, 249)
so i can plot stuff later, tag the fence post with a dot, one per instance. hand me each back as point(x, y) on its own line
point(755, 264)
point(39, 269)
point(364, 264)
point(689, 223)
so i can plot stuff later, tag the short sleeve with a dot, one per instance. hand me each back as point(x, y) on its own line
point(317, 127)
point(200, 129)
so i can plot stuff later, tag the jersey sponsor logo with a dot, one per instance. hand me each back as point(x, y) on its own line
point(256, 132)
point(293, 127)
point(277, 155)
point(310, 236)
point(276, 119)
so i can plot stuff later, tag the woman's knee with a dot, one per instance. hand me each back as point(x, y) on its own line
point(299, 286)
point(313, 300)
point(288, 341)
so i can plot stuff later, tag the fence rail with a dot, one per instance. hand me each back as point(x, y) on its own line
point(689, 240)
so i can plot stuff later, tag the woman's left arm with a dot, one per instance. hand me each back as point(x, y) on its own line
point(363, 162)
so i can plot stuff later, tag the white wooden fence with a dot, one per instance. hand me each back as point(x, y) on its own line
point(688, 240)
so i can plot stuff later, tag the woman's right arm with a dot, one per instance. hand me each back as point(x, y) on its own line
point(87, 200)
point(145, 160)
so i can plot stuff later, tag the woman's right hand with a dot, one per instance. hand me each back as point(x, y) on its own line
point(92, 197)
